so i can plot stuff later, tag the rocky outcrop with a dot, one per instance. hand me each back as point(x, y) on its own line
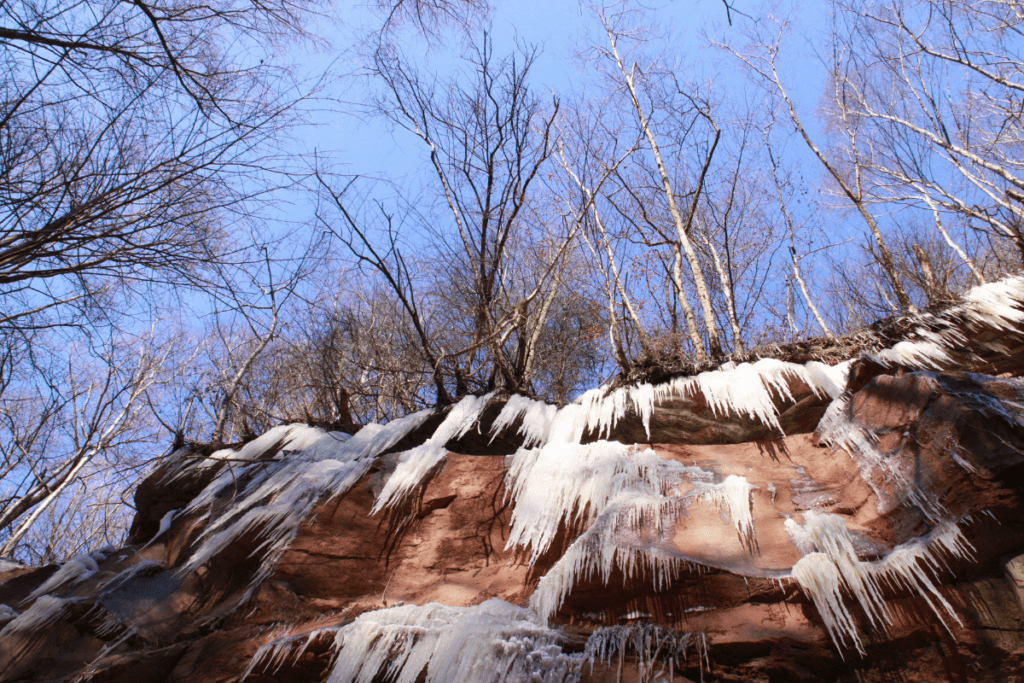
point(284, 561)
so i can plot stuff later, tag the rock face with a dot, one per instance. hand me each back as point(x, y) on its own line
point(682, 522)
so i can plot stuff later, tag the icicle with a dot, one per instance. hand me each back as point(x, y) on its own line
point(165, 524)
point(374, 439)
point(7, 614)
point(558, 483)
point(74, 571)
point(926, 355)
point(416, 463)
point(536, 419)
point(127, 574)
point(906, 564)
point(270, 657)
point(820, 580)
point(433, 643)
point(821, 574)
point(43, 612)
point(615, 539)
point(828, 535)
point(649, 643)
point(996, 304)
point(838, 430)
point(8, 565)
point(733, 494)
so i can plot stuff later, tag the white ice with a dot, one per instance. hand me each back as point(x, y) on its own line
point(834, 566)
point(747, 389)
point(416, 463)
point(7, 614)
point(434, 643)
point(276, 497)
point(43, 612)
point(74, 571)
point(733, 495)
point(559, 483)
point(165, 525)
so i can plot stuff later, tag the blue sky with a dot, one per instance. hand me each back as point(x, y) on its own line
point(369, 147)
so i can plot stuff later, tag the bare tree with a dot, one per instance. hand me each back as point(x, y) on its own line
point(489, 137)
point(847, 171)
point(57, 421)
point(134, 138)
point(950, 142)
point(798, 276)
point(635, 80)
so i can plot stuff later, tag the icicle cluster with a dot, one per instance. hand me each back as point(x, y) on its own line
point(839, 430)
point(733, 495)
point(74, 571)
point(936, 338)
point(630, 532)
point(273, 655)
point(43, 612)
point(617, 538)
point(571, 483)
point(650, 644)
point(433, 643)
point(7, 614)
point(747, 389)
point(494, 642)
point(831, 566)
point(416, 463)
point(276, 497)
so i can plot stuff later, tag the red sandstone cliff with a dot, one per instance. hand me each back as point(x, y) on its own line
point(920, 463)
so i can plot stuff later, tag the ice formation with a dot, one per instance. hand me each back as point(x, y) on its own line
point(129, 573)
point(273, 655)
point(569, 483)
point(415, 464)
point(651, 645)
point(831, 565)
point(536, 417)
point(623, 497)
point(493, 642)
point(44, 611)
point(165, 525)
point(433, 643)
point(838, 430)
point(276, 497)
point(75, 570)
point(820, 580)
point(923, 354)
point(733, 495)
point(935, 338)
point(615, 539)
point(7, 565)
point(7, 614)
point(747, 389)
